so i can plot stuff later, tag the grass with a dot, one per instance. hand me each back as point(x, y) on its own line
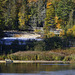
point(52, 55)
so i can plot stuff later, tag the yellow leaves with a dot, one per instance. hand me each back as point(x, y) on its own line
point(48, 4)
point(49, 20)
point(49, 34)
point(21, 20)
point(69, 32)
point(21, 14)
point(73, 28)
point(52, 34)
point(58, 22)
point(56, 19)
point(32, 1)
point(62, 33)
point(37, 30)
point(29, 16)
point(58, 26)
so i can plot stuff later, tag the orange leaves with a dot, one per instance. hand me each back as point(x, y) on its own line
point(48, 4)
point(62, 33)
point(58, 22)
point(32, 1)
point(56, 19)
point(58, 26)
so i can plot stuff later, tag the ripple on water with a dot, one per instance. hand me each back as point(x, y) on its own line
point(64, 72)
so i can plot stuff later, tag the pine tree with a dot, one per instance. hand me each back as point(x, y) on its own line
point(63, 10)
point(9, 13)
point(1, 20)
point(49, 20)
point(39, 12)
point(23, 16)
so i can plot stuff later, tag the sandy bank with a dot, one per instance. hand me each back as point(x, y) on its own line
point(38, 61)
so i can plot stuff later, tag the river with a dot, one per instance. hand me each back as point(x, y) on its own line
point(37, 69)
point(23, 37)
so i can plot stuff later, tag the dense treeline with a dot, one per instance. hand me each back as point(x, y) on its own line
point(33, 45)
point(30, 14)
point(24, 14)
point(17, 14)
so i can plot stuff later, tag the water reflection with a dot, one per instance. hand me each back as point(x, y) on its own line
point(55, 64)
point(37, 69)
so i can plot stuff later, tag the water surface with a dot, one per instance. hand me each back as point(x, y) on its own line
point(37, 69)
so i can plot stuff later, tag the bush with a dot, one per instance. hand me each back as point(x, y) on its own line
point(2, 57)
point(39, 46)
point(30, 44)
point(67, 58)
point(37, 31)
point(53, 43)
point(72, 57)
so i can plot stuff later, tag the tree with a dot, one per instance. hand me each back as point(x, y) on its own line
point(9, 10)
point(23, 15)
point(40, 10)
point(1, 20)
point(33, 13)
point(63, 10)
point(49, 20)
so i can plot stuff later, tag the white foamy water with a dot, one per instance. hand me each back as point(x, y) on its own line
point(9, 40)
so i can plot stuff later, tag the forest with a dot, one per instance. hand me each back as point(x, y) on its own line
point(30, 14)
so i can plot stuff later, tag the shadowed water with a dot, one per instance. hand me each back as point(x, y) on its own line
point(37, 69)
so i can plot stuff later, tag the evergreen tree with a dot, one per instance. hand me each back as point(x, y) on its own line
point(63, 11)
point(10, 13)
point(1, 20)
point(23, 15)
point(40, 10)
point(33, 13)
point(49, 20)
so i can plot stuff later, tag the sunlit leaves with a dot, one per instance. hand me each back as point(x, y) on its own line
point(58, 22)
point(48, 4)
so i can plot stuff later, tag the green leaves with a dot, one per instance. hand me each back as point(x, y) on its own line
point(49, 20)
point(63, 9)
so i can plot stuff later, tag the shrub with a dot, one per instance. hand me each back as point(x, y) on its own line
point(67, 58)
point(2, 57)
point(69, 33)
point(30, 44)
point(37, 31)
point(13, 57)
point(62, 33)
point(53, 43)
point(39, 46)
point(72, 57)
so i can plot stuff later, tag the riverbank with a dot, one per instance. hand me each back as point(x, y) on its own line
point(37, 61)
point(39, 56)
